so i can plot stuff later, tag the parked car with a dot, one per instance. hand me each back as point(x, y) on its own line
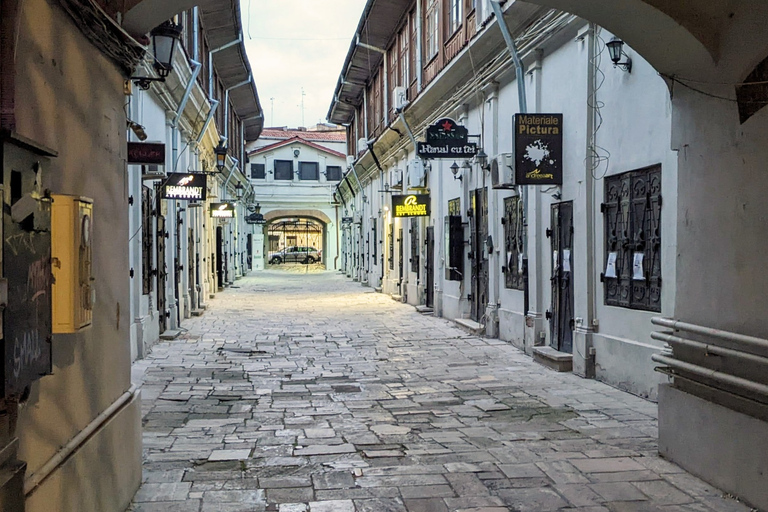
point(295, 254)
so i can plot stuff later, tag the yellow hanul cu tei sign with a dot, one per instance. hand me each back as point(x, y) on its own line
point(413, 205)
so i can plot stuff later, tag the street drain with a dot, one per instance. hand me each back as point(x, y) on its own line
point(346, 389)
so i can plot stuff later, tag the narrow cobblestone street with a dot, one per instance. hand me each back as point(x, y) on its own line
point(307, 392)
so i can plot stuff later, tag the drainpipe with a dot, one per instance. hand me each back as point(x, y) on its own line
point(196, 33)
point(226, 104)
point(210, 61)
point(523, 103)
point(196, 66)
point(208, 119)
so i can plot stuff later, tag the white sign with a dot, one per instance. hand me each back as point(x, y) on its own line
point(637, 267)
point(610, 267)
point(566, 260)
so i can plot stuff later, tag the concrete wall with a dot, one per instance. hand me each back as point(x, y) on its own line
point(57, 106)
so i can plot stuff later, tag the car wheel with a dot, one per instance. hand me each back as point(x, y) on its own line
point(275, 261)
point(310, 260)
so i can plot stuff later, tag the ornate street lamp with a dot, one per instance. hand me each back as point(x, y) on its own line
point(164, 41)
point(616, 51)
point(221, 156)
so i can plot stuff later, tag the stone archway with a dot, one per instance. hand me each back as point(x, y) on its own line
point(311, 213)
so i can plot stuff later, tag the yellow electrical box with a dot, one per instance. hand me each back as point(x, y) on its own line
point(71, 256)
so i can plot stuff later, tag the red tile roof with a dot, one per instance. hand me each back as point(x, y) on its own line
point(325, 136)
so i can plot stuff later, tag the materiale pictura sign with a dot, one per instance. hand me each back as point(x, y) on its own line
point(539, 149)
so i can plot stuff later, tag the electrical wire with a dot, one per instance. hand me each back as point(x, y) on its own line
point(599, 154)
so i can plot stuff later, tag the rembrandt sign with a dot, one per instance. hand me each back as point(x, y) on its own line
point(222, 210)
point(539, 149)
point(446, 139)
point(184, 187)
point(414, 205)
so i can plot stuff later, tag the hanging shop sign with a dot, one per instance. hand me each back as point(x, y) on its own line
point(413, 205)
point(255, 218)
point(346, 220)
point(146, 153)
point(539, 149)
point(222, 210)
point(184, 186)
point(446, 139)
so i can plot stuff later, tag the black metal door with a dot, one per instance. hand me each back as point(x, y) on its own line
point(178, 267)
point(249, 249)
point(479, 232)
point(220, 257)
point(162, 273)
point(430, 266)
point(400, 258)
point(190, 267)
point(561, 316)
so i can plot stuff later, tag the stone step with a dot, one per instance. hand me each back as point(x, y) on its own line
point(551, 358)
point(197, 312)
point(469, 325)
point(424, 309)
point(170, 334)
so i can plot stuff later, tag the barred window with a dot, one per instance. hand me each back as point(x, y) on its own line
point(309, 171)
point(333, 173)
point(632, 218)
point(284, 169)
point(391, 247)
point(257, 171)
point(513, 243)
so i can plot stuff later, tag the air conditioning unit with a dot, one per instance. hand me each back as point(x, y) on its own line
point(503, 171)
point(350, 159)
point(417, 176)
point(396, 179)
point(362, 144)
point(153, 172)
point(400, 95)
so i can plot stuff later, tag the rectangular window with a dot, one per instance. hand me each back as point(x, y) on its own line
point(414, 245)
point(412, 46)
point(283, 169)
point(147, 240)
point(309, 171)
point(432, 24)
point(403, 60)
point(454, 242)
point(333, 173)
point(455, 15)
point(513, 243)
point(258, 172)
point(632, 219)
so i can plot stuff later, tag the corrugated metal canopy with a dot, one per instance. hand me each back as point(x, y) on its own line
point(222, 25)
point(377, 26)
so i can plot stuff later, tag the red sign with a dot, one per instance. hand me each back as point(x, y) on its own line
point(143, 153)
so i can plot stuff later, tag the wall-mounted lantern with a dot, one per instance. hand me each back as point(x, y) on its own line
point(482, 159)
point(455, 171)
point(221, 156)
point(164, 41)
point(239, 189)
point(616, 51)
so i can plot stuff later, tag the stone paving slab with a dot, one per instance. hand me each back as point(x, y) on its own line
point(309, 393)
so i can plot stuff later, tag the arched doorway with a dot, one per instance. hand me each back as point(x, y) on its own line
point(296, 240)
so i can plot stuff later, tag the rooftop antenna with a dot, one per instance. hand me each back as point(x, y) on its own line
point(302, 106)
point(272, 115)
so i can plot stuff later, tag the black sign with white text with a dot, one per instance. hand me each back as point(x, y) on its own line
point(446, 139)
point(185, 187)
point(539, 149)
point(222, 210)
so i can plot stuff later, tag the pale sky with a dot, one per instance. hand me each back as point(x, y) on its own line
point(293, 44)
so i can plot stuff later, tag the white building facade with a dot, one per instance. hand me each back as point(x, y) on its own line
point(294, 174)
point(583, 308)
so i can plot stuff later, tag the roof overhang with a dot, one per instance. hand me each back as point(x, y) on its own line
point(374, 34)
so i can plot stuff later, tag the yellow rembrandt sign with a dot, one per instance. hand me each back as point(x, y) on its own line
point(414, 205)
